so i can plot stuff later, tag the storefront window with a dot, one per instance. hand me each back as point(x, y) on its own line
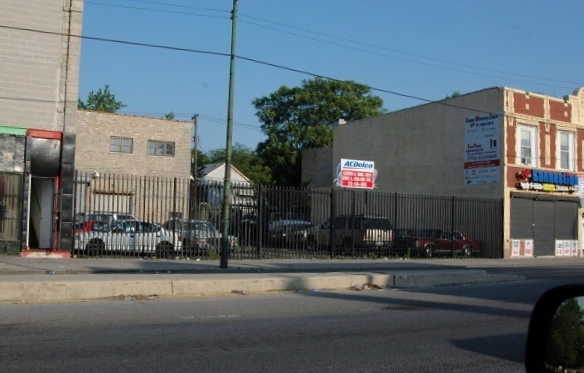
point(10, 206)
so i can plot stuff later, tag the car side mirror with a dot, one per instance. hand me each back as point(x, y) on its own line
point(556, 331)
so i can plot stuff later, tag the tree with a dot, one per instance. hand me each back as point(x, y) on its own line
point(103, 100)
point(453, 95)
point(246, 161)
point(169, 116)
point(298, 118)
point(202, 160)
point(566, 339)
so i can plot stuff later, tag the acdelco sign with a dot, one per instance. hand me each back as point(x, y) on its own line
point(352, 173)
point(347, 163)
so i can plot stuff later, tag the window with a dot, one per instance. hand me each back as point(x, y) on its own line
point(161, 148)
point(121, 145)
point(528, 143)
point(566, 150)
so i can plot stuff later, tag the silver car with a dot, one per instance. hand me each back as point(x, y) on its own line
point(129, 236)
point(198, 234)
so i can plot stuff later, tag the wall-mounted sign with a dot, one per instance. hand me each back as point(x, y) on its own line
point(481, 150)
point(544, 181)
point(352, 173)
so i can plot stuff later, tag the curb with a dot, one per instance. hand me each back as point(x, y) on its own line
point(55, 288)
point(58, 254)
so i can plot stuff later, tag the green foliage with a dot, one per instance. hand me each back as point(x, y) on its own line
point(103, 100)
point(202, 160)
point(245, 160)
point(213, 253)
point(453, 95)
point(298, 118)
point(169, 116)
point(566, 343)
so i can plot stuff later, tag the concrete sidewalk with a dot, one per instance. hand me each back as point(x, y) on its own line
point(63, 279)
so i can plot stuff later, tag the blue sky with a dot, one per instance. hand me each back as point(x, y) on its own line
point(420, 48)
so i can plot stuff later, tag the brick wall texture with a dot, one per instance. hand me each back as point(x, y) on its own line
point(94, 130)
point(35, 64)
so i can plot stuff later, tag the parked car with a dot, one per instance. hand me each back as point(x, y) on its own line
point(278, 235)
point(350, 231)
point(129, 236)
point(105, 216)
point(198, 234)
point(404, 241)
point(434, 242)
point(96, 220)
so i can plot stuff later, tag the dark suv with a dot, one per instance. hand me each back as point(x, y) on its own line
point(350, 231)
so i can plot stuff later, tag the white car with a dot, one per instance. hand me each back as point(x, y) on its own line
point(129, 236)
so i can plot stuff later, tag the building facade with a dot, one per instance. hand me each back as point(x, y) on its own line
point(133, 145)
point(500, 143)
point(132, 164)
point(38, 114)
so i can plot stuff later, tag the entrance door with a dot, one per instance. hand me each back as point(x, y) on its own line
point(40, 218)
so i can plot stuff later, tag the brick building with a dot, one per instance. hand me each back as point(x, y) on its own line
point(503, 143)
point(38, 115)
point(133, 145)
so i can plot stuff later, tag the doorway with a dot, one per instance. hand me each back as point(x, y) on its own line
point(41, 213)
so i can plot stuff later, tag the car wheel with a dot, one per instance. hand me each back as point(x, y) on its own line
point(95, 248)
point(467, 251)
point(164, 250)
point(430, 252)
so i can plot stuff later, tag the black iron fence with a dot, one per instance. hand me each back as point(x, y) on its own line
point(168, 217)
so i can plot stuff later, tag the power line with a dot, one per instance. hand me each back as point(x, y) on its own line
point(189, 50)
point(399, 52)
point(164, 11)
point(358, 43)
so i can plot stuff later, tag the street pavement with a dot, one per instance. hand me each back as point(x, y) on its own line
point(48, 279)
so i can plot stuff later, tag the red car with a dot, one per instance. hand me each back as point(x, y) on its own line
point(434, 242)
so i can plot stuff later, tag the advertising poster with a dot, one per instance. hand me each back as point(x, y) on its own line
point(482, 156)
point(528, 247)
point(515, 247)
point(567, 248)
point(574, 251)
point(559, 247)
point(352, 173)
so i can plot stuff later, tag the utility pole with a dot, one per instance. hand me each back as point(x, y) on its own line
point(194, 166)
point(227, 181)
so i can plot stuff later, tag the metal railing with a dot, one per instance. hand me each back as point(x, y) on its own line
point(283, 222)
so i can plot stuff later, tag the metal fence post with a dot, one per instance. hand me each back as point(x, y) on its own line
point(259, 220)
point(332, 220)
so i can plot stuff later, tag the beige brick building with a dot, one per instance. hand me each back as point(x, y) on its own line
point(133, 145)
point(39, 73)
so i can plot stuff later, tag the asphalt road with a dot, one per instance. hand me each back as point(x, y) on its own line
point(472, 328)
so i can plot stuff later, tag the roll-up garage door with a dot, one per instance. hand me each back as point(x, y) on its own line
point(543, 228)
point(566, 219)
point(544, 219)
point(521, 218)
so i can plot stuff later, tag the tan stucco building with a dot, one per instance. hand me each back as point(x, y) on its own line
point(502, 143)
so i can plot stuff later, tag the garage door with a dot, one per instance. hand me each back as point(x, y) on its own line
point(543, 219)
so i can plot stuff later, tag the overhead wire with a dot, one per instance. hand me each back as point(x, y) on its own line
point(282, 67)
point(243, 15)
